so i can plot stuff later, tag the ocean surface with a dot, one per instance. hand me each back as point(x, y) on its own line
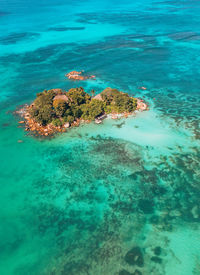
point(78, 203)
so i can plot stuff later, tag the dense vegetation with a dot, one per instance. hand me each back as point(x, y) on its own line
point(59, 107)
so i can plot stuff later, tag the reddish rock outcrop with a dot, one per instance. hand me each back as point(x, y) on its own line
point(78, 75)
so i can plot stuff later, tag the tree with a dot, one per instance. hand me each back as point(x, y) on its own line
point(60, 106)
point(124, 103)
point(46, 114)
point(42, 110)
point(96, 108)
point(57, 122)
point(78, 96)
point(93, 109)
point(108, 95)
point(34, 111)
point(76, 111)
point(85, 111)
point(69, 119)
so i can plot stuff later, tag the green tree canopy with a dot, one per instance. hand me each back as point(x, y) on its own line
point(93, 109)
point(123, 102)
point(60, 106)
point(78, 96)
point(42, 110)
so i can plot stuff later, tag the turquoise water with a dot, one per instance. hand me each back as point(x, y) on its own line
point(76, 204)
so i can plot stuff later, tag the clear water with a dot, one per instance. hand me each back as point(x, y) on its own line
point(78, 203)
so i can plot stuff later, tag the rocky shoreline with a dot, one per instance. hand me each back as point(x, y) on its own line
point(37, 129)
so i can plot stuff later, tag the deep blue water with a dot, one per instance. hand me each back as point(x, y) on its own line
point(78, 203)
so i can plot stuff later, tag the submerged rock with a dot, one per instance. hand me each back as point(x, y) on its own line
point(67, 125)
point(137, 272)
point(134, 257)
point(156, 260)
point(5, 124)
point(146, 206)
point(157, 250)
point(77, 75)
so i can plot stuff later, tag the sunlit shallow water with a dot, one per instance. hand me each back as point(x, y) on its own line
point(76, 204)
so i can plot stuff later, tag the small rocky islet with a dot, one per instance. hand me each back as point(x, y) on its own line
point(79, 75)
point(57, 110)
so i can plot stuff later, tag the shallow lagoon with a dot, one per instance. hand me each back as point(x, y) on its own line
point(78, 203)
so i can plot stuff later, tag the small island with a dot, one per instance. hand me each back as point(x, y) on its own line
point(56, 110)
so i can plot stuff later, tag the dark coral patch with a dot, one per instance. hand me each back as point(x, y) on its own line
point(5, 125)
point(171, 95)
point(125, 272)
point(3, 13)
point(158, 190)
point(184, 36)
point(156, 260)
point(146, 206)
point(157, 250)
point(134, 257)
point(16, 37)
point(63, 29)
